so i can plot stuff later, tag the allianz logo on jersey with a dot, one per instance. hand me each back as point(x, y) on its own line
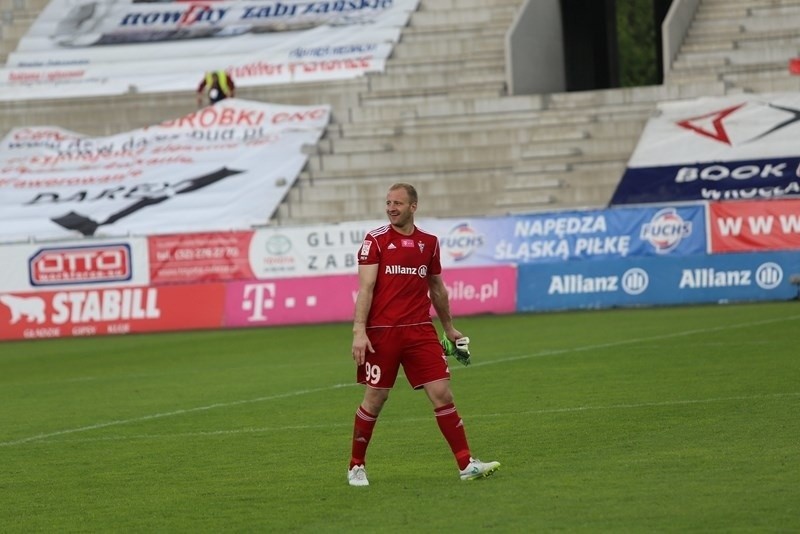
point(421, 271)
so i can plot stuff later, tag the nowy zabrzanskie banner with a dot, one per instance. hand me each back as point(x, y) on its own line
point(106, 47)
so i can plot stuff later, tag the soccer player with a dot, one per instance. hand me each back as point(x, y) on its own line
point(398, 266)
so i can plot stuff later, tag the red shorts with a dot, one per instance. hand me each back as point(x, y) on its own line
point(415, 347)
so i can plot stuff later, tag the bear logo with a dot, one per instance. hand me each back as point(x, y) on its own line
point(32, 308)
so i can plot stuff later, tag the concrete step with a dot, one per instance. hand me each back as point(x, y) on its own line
point(449, 5)
point(437, 64)
point(406, 106)
point(455, 79)
point(589, 185)
point(787, 39)
point(447, 174)
point(461, 17)
point(490, 30)
point(447, 47)
point(745, 56)
point(694, 76)
point(747, 3)
point(725, 73)
point(785, 8)
point(442, 106)
point(708, 46)
point(625, 98)
point(96, 115)
point(481, 85)
point(378, 164)
point(444, 204)
point(768, 85)
point(761, 23)
point(740, 37)
point(29, 5)
point(483, 138)
point(733, 11)
point(777, 71)
point(451, 124)
point(712, 33)
point(474, 183)
point(499, 119)
point(365, 161)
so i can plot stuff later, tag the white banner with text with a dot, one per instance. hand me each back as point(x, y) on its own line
point(104, 47)
point(224, 167)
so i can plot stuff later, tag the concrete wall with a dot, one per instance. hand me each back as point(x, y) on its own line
point(674, 29)
point(535, 50)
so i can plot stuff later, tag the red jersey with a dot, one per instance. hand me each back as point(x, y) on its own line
point(404, 264)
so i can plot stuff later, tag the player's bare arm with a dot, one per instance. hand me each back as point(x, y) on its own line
point(441, 303)
point(367, 275)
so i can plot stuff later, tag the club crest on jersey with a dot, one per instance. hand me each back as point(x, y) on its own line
point(421, 245)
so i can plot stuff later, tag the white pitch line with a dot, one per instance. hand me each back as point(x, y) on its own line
point(555, 352)
point(118, 422)
point(633, 341)
point(328, 426)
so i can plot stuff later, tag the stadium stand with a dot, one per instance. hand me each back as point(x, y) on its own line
point(440, 116)
point(745, 43)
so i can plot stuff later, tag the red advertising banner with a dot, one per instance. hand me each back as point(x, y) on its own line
point(754, 226)
point(205, 257)
point(119, 310)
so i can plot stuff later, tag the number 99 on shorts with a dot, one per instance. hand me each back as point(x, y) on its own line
point(373, 373)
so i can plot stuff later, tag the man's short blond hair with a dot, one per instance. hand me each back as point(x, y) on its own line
point(412, 193)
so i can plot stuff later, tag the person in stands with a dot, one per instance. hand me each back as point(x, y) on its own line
point(215, 86)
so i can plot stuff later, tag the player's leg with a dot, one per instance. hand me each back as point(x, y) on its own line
point(450, 424)
point(452, 428)
point(426, 367)
point(366, 417)
point(378, 373)
point(365, 420)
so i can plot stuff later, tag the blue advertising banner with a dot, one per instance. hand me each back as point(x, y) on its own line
point(648, 281)
point(571, 235)
point(731, 180)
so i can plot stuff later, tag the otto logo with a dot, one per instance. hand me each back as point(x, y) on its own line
point(461, 241)
point(666, 230)
point(80, 265)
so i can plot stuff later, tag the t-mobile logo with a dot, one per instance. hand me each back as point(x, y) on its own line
point(261, 298)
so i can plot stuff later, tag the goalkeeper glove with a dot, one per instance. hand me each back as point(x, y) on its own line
point(459, 349)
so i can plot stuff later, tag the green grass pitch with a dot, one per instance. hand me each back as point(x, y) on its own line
point(640, 420)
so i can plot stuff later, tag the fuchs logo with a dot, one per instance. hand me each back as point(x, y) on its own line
point(80, 265)
point(462, 241)
point(666, 230)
